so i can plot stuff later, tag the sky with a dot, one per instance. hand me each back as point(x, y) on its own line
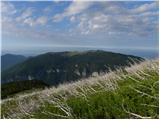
point(72, 24)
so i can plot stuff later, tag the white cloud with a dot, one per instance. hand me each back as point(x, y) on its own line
point(7, 8)
point(116, 24)
point(29, 21)
point(27, 17)
point(39, 21)
point(75, 8)
point(109, 18)
point(150, 14)
point(42, 20)
point(72, 18)
point(8, 11)
point(99, 21)
point(118, 19)
point(145, 7)
point(25, 14)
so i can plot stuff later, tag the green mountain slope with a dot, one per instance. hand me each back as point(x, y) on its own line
point(129, 93)
point(9, 60)
point(61, 67)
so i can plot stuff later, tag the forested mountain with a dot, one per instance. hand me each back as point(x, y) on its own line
point(58, 67)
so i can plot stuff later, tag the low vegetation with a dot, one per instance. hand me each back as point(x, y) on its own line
point(126, 93)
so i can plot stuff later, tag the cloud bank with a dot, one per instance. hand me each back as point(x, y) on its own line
point(81, 23)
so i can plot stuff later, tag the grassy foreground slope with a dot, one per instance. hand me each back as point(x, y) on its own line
point(129, 93)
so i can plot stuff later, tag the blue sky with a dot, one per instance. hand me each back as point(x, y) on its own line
point(31, 25)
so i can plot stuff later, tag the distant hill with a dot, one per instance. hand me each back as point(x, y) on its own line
point(9, 60)
point(60, 67)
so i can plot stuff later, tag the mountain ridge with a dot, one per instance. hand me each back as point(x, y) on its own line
point(58, 67)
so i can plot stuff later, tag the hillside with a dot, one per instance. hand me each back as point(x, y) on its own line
point(13, 88)
point(128, 93)
point(9, 60)
point(62, 67)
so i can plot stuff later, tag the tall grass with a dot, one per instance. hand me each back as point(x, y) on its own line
point(126, 93)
